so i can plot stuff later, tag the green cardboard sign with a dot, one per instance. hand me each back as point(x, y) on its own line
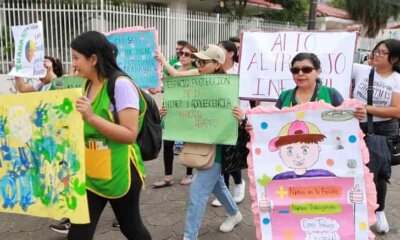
point(67, 82)
point(200, 108)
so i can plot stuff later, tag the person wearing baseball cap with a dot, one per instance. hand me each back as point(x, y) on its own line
point(210, 60)
point(210, 180)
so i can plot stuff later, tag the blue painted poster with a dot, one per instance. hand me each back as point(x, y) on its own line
point(136, 47)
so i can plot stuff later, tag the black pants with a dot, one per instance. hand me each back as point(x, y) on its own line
point(236, 175)
point(389, 129)
point(169, 158)
point(126, 209)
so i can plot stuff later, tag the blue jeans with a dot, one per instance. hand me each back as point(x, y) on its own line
point(205, 182)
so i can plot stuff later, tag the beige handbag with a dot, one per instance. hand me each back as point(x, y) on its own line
point(198, 155)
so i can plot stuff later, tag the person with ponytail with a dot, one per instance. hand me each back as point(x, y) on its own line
point(54, 70)
point(119, 178)
point(385, 109)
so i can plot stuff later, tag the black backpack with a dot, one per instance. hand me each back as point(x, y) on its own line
point(150, 135)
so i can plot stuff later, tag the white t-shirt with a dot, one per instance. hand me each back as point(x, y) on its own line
point(384, 87)
point(234, 69)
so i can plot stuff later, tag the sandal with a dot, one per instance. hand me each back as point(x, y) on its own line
point(187, 180)
point(163, 183)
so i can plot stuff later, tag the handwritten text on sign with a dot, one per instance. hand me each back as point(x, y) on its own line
point(266, 59)
point(135, 56)
point(29, 51)
point(200, 108)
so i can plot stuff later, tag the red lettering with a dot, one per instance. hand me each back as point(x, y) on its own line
point(308, 48)
point(278, 43)
point(262, 63)
point(252, 61)
point(338, 57)
point(258, 88)
point(272, 86)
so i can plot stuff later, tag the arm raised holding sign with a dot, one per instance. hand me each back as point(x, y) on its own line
point(185, 66)
point(53, 68)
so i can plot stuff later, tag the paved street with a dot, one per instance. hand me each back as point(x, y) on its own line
point(163, 212)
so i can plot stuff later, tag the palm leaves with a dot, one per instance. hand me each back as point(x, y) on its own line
point(373, 14)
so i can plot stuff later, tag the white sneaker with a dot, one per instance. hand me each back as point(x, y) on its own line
point(381, 225)
point(216, 203)
point(231, 222)
point(239, 192)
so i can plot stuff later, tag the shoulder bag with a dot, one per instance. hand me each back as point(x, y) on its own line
point(198, 155)
point(378, 146)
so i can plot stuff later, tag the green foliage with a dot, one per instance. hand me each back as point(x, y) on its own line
point(294, 11)
point(232, 7)
point(338, 4)
point(373, 14)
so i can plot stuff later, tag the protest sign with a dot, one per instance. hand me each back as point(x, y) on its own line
point(29, 51)
point(200, 108)
point(266, 57)
point(42, 166)
point(308, 178)
point(136, 47)
point(67, 82)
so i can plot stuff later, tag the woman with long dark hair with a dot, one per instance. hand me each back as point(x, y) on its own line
point(119, 177)
point(385, 110)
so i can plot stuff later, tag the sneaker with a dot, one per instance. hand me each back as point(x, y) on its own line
point(216, 203)
point(115, 223)
point(62, 227)
point(239, 192)
point(381, 225)
point(231, 222)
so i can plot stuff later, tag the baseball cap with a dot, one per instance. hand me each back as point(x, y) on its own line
point(211, 52)
point(293, 130)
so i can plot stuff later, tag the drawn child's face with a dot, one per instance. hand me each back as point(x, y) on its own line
point(300, 155)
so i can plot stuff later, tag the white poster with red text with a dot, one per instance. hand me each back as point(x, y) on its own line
point(266, 56)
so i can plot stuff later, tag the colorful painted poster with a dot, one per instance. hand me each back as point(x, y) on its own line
point(200, 108)
point(42, 165)
point(136, 47)
point(29, 51)
point(308, 178)
point(265, 60)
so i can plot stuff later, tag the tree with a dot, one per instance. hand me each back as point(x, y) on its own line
point(373, 14)
point(338, 4)
point(232, 7)
point(293, 11)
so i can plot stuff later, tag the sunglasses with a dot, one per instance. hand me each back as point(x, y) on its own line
point(201, 62)
point(306, 70)
point(184, 54)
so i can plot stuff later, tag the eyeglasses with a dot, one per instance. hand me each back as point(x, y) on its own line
point(306, 70)
point(184, 54)
point(380, 53)
point(201, 62)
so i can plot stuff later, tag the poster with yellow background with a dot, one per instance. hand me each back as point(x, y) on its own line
point(42, 170)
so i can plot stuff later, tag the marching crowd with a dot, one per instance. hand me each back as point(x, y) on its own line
point(94, 58)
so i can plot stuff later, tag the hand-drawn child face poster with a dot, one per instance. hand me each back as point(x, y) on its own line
point(29, 51)
point(308, 177)
point(42, 170)
point(136, 47)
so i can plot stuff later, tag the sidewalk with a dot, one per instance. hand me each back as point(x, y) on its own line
point(163, 211)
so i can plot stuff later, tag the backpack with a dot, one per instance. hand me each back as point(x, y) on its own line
point(149, 138)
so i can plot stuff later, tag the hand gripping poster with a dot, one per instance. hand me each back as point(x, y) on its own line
point(42, 164)
point(308, 174)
